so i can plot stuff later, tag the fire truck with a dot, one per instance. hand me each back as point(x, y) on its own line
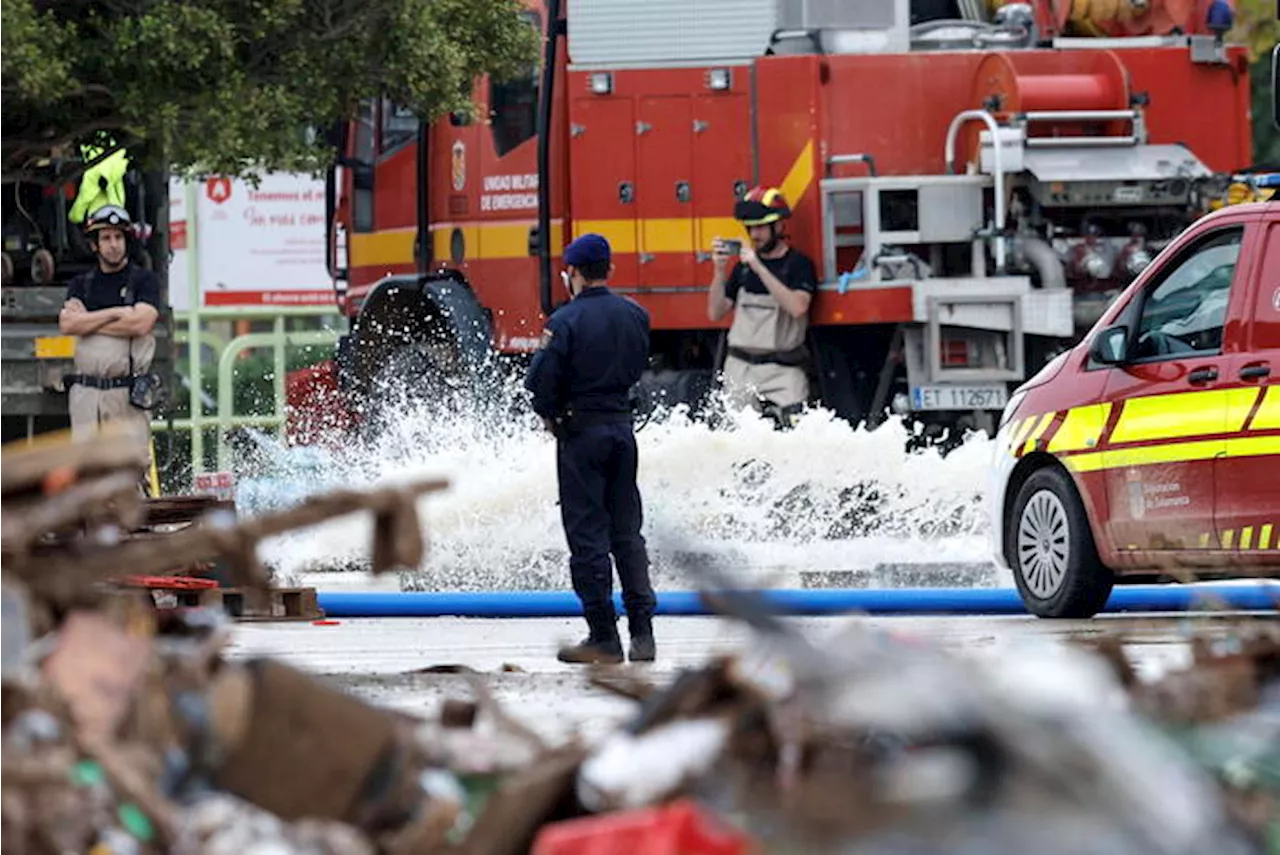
point(974, 180)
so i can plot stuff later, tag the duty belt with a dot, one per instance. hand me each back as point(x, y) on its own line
point(576, 419)
point(95, 382)
point(795, 358)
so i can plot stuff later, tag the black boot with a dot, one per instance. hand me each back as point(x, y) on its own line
point(642, 646)
point(601, 647)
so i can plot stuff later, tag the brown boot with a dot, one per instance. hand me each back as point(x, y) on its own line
point(592, 652)
point(601, 647)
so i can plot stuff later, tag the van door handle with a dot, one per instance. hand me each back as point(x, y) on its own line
point(1249, 372)
point(1203, 375)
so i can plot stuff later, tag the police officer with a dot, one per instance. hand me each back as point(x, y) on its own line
point(111, 310)
point(593, 351)
point(769, 290)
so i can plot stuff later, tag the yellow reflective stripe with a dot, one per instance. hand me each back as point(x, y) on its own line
point(621, 234)
point(1204, 540)
point(1040, 428)
point(1227, 537)
point(1268, 417)
point(1179, 452)
point(1169, 416)
point(1176, 452)
point(1264, 537)
point(392, 246)
point(799, 176)
point(1246, 537)
point(1019, 433)
point(503, 240)
point(497, 239)
point(1080, 429)
point(666, 235)
point(1239, 404)
point(1253, 446)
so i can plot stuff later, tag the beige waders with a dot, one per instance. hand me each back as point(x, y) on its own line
point(761, 333)
point(107, 356)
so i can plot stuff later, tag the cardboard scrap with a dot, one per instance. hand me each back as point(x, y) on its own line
point(96, 669)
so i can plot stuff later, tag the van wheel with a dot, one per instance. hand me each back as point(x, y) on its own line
point(1050, 547)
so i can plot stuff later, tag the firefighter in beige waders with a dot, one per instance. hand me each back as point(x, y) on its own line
point(769, 290)
point(111, 310)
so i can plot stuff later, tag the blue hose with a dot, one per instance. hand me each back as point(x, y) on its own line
point(824, 601)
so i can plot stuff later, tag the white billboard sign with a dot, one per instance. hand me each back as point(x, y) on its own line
point(256, 246)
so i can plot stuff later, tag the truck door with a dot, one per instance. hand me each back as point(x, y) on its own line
point(1247, 472)
point(602, 193)
point(1170, 402)
point(722, 164)
point(664, 192)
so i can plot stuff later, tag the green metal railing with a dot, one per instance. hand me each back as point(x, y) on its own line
point(197, 339)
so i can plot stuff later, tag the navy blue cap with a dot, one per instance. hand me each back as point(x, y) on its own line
point(587, 249)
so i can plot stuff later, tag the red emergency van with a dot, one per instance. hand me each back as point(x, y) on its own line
point(1151, 450)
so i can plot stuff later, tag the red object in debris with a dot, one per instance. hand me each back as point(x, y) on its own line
point(325, 622)
point(680, 828)
point(168, 583)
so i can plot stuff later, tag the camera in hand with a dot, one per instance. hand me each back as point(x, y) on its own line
point(731, 247)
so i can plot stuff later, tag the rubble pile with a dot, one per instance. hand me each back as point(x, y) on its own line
point(126, 730)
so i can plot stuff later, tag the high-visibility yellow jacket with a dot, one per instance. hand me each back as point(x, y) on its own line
point(102, 184)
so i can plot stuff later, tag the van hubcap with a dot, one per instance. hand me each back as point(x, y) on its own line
point(1043, 548)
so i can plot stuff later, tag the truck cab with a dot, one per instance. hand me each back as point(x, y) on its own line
point(1152, 448)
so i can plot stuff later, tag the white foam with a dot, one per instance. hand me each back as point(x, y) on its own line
point(824, 496)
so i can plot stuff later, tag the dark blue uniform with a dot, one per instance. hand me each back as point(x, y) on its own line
point(593, 352)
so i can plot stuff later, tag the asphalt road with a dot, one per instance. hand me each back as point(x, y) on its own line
point(382, 659)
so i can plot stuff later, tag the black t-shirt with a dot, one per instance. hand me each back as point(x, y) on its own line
point(98, 290)
point(794, 270)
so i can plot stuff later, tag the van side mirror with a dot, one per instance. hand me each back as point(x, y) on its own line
point(1275, 86)
point(1111, 346)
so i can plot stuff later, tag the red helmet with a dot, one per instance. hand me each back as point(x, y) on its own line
point(760, 206)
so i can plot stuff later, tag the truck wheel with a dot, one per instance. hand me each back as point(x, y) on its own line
point(420, 341)
point(42, 267)
point(1050, 548)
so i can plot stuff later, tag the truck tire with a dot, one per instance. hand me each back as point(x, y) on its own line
point(420, 340)
point(1051, 552)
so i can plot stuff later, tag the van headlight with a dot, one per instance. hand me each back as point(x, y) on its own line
point(1010, 408)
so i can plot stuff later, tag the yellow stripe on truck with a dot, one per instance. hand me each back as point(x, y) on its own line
point(496, 239)
point(1268, 415)
point(666, 235)
point(393, 246)
point(799, 176)
point(1174, 452)
point(1018, 435)
point(1173, 416)
point(1041, 426)
point(1081, 429)
point(1211, 423)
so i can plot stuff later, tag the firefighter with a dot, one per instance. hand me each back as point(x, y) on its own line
point(769, 290)
point(111, 310)
point(592, 353)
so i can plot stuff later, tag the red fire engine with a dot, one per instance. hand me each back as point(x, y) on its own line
point(974, 180)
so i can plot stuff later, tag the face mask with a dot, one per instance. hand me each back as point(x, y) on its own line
point(568, 282)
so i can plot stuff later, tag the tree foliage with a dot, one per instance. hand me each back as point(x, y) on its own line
point(1258, 29)
point(231, 86)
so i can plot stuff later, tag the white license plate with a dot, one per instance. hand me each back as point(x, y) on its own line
point(985, 397)
point(1127, 194)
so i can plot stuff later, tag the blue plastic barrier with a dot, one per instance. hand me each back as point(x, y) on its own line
point(822, 601)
